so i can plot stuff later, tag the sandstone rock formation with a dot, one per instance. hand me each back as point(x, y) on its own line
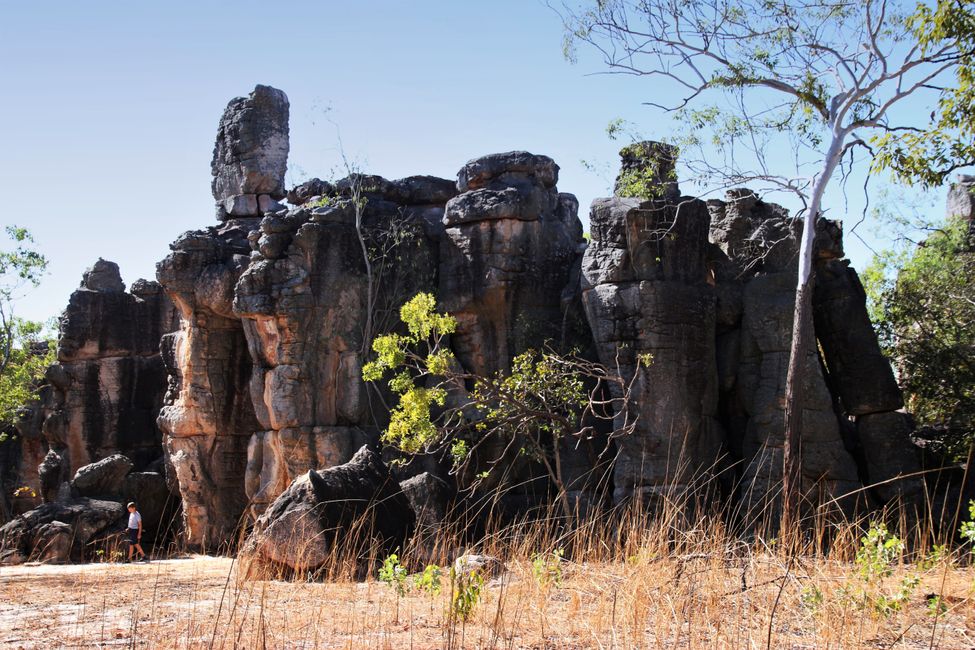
point(276, 320)
point(276, 308)
point(251, 154)
point(104, 393)
point(646, 292)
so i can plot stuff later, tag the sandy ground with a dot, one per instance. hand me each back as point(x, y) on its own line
point(199, 602)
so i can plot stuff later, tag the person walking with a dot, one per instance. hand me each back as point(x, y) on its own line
point(135, 533)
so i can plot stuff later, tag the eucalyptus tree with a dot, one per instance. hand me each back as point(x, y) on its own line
point(836, 84)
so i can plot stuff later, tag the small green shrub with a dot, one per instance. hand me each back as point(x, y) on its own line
point(466, 593)
point(394, 574)
point(547, 567)
point(430, 580)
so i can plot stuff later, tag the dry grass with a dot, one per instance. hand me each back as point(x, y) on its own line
point(643, 585)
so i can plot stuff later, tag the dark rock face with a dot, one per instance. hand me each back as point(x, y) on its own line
point(509, 259)
point(299, 527)
point(251, 153)
point(104, 393)
point(31, 535)
point(864, 379)
point(157, 503)
point(646, 292)
point(885, 438)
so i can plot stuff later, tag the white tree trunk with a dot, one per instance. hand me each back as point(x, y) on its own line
point(802, 332)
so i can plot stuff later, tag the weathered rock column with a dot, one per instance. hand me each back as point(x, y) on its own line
point(508, 260)
point(646, 292)
point(103, 393)
point(208, 418)
point(250, 156)
point(303, 302)
point(864, 382)
point(754, 262)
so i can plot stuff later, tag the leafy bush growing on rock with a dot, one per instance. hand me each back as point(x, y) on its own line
point(545, 398)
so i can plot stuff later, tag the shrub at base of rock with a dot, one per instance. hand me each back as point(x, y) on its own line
point(357, 504)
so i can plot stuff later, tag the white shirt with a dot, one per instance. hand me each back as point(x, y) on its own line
point(134, 519)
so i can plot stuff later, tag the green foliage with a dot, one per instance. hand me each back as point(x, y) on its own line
point(928, 155)
point(25, 352)
point(466, 594)
point(20, 265)
point(922, 301)
point(394, 574)
point(429, 580)
point(811, 598)
point(540, 400)
point(547, 567)
point(29, 357)
point(879, 550)
point(936, 606)
point(967, 530)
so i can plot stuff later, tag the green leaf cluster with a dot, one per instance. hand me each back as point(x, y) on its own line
point(415, 357)
point(928, 155)
point(922, 301)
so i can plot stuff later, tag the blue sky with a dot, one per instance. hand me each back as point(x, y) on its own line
point(109, 109)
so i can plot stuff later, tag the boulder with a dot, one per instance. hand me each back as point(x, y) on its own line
point(886, 445)
point(250, 156)
point(103, 276)
point(300, 526)
point(505, 168)
point(429, 497)
point(102, 478)
point(52, 543)
point(86, 517)
point(308, 190)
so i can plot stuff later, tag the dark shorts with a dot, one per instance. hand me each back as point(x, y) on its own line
point(133, 535)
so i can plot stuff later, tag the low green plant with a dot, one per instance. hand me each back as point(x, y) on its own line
point(429, 580)
point(811, 598)
point(967, 530)
point(394, 574)
point(879, 550)
point(547, 567)
point(936, 606)
point(545, 397)
point(466, 593)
